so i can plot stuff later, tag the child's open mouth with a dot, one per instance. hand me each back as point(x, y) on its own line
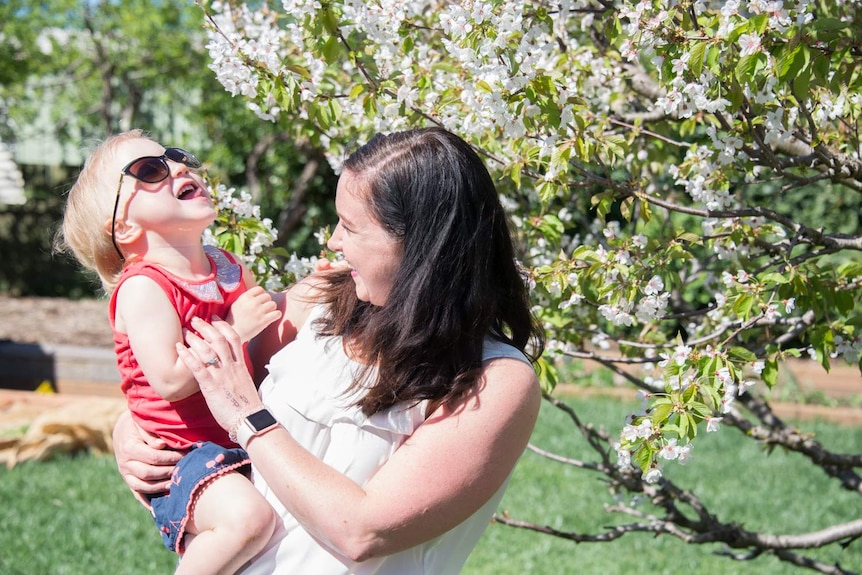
point(188, 192)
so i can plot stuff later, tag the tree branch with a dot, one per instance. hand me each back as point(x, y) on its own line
point(702, 528)
point(832, 241)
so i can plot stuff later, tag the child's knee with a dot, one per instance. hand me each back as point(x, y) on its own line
point(258, 519)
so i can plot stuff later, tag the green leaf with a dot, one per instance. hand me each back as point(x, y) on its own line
point(747, 67)
point(551, 227)
point(828, 24)
point(822, 67)
point(484, 86)
point(660, 414)
point(759, 22)
point(329, 20)
point(737, 95)
point(626, 208)
point(644, 458)
point(299, 71)
point(684, 424)
point(801, 59)
point(356, 91)
point(695, 63)
point(769, 375)
point(614, 30)
point(743, 353)
point(515, 174)
point(775, 278)
point(801, 83)
point(689, 394)
point(547, 374)
point(335, 109)
point(712, 58)
point(844, 301)
point(785, 60)
point(331, 50)
point(701, 409)
point(369, 105)
point(690, 238)
point(743, 304)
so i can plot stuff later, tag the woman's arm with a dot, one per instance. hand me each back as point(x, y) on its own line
point(441, 475)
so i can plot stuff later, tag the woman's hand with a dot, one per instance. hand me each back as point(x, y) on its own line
point(144, 463)
point(217, 361)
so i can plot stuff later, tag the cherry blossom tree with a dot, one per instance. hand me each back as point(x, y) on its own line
point(658, 158)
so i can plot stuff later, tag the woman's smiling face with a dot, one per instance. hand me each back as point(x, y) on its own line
point(371, 252)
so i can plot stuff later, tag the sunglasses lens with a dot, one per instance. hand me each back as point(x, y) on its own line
point(149, 170)
point(183, 157)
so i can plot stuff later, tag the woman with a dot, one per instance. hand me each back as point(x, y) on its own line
point(406, 397)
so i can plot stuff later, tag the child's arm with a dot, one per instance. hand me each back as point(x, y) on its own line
point(146, 314)
point(294, 305)
point(254, 310)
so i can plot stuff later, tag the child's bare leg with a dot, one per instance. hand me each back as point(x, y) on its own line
point(230, 523)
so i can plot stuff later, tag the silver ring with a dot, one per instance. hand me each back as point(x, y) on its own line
point(213, 361)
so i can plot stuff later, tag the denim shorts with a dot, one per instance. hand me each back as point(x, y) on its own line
point(204, 463)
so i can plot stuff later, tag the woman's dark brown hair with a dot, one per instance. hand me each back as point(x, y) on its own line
point(457, 283)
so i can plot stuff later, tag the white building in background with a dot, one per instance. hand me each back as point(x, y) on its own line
point(11, 180)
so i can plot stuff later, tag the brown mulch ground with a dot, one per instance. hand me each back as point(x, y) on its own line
point(55, 320)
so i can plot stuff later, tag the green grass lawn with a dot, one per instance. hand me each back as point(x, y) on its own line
point(73, 515)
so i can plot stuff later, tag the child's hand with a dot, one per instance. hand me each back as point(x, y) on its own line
point(325, 265)
point(252, 312)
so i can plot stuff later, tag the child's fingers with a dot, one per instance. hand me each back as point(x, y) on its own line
point(323, 265)
point(272, 316)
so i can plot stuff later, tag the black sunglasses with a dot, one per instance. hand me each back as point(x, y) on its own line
point(151, 170)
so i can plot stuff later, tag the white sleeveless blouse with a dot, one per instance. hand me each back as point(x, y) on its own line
point(305, 390)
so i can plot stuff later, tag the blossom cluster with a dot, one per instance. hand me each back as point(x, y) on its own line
point(240, 229)
point(626, 142)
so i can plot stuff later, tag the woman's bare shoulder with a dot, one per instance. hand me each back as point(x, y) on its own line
point(510, 377)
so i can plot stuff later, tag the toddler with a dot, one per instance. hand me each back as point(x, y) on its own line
point(135, 216)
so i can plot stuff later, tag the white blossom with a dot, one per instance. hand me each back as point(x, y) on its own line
point(749, 44)
point(713, 424)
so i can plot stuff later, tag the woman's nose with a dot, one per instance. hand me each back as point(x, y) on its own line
point(334, 242)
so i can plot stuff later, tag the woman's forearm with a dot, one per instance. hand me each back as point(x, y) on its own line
point(433, 482)
point(328, 505)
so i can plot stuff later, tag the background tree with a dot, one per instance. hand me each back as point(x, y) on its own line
point(667, 164)
point(80, 70)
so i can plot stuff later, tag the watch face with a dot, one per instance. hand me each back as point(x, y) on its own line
point(262, 419)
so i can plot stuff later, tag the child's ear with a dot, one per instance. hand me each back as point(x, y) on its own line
point(107, 225)
point(124, 232)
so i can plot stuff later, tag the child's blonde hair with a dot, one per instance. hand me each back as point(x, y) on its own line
point(88, 206)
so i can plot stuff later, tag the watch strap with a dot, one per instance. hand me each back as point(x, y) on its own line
point(254, 424)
